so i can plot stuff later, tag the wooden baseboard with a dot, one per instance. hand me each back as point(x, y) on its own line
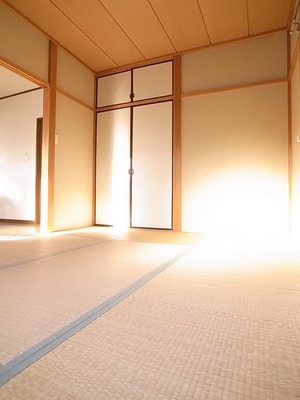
point(17, 221)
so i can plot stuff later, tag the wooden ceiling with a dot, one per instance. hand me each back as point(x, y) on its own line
point(105, 34)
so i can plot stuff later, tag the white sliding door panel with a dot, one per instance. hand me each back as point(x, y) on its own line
point(113, 162)
point(114, 89)
point(153, 81)
point(152, 164)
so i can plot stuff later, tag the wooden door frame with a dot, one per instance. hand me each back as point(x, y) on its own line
point(176, 97)
point(38, 173)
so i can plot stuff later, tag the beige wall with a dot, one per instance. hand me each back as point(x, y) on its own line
point(22, 44)
point(254, 60)
point(73, 188)
point(74, 78)
point(27, 49)
point(234, 153)
point(73, 165)
point(234, 144)
point(296, 151)
point(295, 99)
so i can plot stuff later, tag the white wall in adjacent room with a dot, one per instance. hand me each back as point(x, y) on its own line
point(18, 117)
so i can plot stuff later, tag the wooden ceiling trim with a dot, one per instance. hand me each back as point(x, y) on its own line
point(291, 13)
point(92, 18)
point(188, 51)
point(140, 23)
point(233, 87)
point(268, 14)
point(111, 34)
point(127, 67)
point(16, 69)
point(222, 22)
point(182, 21)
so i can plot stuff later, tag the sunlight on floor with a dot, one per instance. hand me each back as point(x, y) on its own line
point(223, 315)
point(241, 254)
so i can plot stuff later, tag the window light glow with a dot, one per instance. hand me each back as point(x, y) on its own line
point(238, 201)
point(248, 255)
point(120, 178)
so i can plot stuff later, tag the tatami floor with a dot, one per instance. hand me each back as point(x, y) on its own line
point(143, 314)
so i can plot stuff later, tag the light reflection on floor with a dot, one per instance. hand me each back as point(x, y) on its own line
point(12, 231)
point(241, 254)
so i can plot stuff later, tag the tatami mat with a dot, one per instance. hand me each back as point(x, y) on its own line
point(40, 297)
point(12, 229)
point(221, 322)
point(33, 247)
point(142, 235)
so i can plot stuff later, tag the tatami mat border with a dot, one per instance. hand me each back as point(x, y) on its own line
point(17, 365)
point(45, 256)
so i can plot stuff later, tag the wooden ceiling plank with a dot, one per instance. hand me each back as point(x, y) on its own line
point(107, 34)
point(183, 22)
point(138, 20)
point(93, 19)
point(225, 20)
point(268, 15)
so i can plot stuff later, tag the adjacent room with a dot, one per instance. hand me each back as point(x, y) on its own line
point(149, 199)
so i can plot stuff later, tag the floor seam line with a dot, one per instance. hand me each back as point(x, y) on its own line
point(24, 360)
point(27, 261)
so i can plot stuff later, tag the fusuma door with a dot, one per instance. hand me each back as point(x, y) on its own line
point(152, 166)
point(134, 147)
point(112, 165)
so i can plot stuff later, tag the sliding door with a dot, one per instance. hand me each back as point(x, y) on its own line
point(152, 81)
point(152, 166)
point(113, 163)
point(134, 147)
point(114, 89)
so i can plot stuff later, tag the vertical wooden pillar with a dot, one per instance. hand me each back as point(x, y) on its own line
point(290, 134)
point(177, 144)
point(48, 148)
point(94, 154)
